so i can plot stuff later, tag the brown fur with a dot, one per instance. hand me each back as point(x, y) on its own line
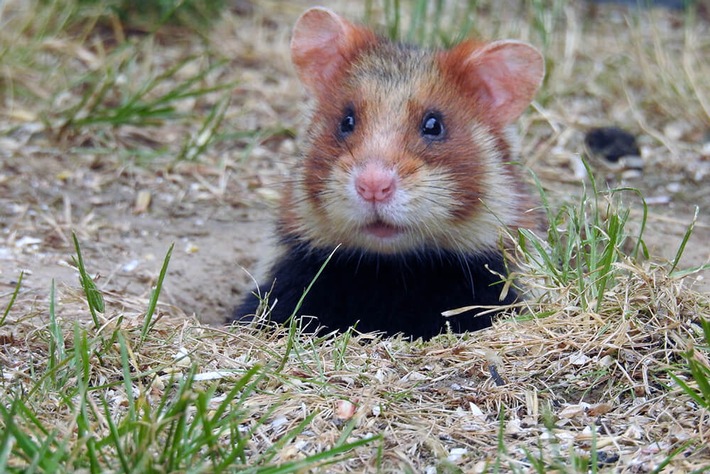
point(458, 191)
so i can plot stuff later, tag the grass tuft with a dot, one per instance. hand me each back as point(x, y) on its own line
point(110, 100)
point(422, 22)
point(166, 418)
point(587, 242)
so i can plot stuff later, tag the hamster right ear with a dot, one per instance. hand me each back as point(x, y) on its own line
point(323, 43)
point(504, 75)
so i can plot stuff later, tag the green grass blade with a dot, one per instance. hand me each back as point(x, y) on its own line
point(594, 454)
point(273, 450)
point(37, 454)
point(57, 349)
point(82, 366)
point(12, 299)
point(7, 439)
point(127, 379)
point(155, 294)
point(292, 318)
point(501, 450)
point(659, 468)
point(114, 438)
point(196, 145)
point(684, 242)
point(690, 271)
point(320, 459)
point(688, 390)
point(94, 298)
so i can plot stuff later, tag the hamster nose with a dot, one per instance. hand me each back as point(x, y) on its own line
point(375, 184)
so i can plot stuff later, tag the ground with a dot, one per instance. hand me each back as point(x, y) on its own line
point(126, 209)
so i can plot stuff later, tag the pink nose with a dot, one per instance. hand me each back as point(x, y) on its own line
point(375, 184)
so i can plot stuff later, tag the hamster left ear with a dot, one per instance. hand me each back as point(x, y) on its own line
point(322, 45)
point(505, 75)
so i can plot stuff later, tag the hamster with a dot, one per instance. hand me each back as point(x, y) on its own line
point(407, 178)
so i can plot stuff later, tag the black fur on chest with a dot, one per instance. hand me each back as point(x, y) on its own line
point(388, 293)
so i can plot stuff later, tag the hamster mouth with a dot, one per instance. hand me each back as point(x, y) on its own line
point(382, 230)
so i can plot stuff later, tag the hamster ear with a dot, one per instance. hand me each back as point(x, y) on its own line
point(505, 75)
point(322, 44)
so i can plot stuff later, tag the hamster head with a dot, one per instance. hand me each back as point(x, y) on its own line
point(407, 149)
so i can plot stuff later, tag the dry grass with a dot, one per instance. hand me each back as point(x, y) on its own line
point(575, 384)
point(584, 385)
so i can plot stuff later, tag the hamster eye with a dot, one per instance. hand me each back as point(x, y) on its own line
point(347, 124)
point(432, 126)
